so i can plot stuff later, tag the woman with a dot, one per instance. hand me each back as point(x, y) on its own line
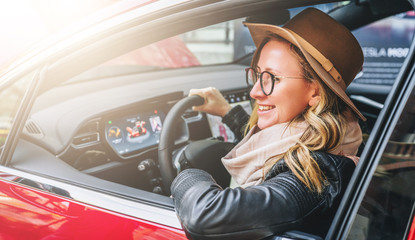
point(291, 166)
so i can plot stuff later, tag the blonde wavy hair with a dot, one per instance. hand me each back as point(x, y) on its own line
point(326, 122)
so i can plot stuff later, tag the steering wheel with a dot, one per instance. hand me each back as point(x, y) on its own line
point(166, 144)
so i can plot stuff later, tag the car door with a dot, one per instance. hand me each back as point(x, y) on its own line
point(112, 202)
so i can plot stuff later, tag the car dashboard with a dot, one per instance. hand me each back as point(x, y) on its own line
point(113, 133)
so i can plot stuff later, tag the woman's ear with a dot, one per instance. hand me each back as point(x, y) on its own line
point(315, 94)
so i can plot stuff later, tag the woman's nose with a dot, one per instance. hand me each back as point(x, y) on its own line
point(256, 91)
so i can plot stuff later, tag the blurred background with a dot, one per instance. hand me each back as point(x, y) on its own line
point(23, 23)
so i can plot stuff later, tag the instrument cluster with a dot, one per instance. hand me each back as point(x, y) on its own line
point(133, 133)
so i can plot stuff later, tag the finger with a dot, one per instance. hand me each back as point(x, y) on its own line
point(193, 92)
point(197, 109)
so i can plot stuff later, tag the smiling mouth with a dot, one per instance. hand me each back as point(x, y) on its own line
point(265, 107)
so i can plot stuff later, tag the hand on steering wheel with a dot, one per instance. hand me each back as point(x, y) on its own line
point(166, 144)
point(214, 102)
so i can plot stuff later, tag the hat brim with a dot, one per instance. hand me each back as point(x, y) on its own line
point(260, 31)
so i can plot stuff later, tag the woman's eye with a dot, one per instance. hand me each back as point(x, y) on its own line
point(276, 79)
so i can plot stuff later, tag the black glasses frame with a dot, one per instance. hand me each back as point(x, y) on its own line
point(259, 75)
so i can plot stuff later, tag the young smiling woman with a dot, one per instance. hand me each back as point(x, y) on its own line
point(291, 165)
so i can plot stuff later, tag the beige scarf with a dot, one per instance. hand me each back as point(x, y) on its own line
point(246, 161)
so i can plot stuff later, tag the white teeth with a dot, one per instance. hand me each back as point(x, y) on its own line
point(265, 108)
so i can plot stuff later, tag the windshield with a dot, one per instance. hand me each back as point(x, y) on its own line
point(223, 43)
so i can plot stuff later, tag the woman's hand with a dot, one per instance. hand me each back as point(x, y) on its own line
point(215, 103)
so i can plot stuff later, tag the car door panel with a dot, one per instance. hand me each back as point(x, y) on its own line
point(63, 217)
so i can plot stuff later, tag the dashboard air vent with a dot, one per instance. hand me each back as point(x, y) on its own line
point(33, 129)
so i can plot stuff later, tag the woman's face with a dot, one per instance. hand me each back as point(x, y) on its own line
point(290, 95)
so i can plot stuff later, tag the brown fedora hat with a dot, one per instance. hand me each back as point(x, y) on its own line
point(329, 47)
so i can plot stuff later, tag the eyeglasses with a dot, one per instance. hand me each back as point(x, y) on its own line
point(267, 80)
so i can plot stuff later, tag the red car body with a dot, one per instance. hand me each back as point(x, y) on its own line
point(48, 216)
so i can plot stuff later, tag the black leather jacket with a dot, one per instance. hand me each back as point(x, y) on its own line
point(281, 203)
point(236, 119)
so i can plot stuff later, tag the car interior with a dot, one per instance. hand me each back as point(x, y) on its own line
point(101, 125)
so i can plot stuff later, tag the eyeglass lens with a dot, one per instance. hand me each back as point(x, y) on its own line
point(265, 80)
